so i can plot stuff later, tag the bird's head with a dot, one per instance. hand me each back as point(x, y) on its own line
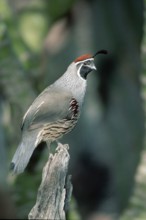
point(85, 63)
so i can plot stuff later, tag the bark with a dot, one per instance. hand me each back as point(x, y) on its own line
point(55, 190)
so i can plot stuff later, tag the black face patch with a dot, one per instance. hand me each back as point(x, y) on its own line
point(84, 71)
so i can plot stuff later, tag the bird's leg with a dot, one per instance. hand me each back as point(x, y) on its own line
point(48, 145)
point(59, 144)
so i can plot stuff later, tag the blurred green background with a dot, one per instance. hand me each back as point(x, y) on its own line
point(38, 40)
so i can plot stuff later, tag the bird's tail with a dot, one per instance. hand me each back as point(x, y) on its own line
point(22, 156)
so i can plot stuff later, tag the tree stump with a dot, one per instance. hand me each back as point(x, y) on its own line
point(55, 190)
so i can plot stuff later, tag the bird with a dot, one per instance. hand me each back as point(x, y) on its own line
point(55, 111)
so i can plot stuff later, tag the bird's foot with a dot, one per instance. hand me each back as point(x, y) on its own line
point(62, 146)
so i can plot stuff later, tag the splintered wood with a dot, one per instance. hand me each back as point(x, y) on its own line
point(55, 190)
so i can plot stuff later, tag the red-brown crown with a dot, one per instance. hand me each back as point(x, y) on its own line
point(83, 57)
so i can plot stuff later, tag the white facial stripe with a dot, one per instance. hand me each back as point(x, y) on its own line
point(81, 63)
point(78, 73)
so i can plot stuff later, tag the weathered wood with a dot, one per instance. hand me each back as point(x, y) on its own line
point(55, 189)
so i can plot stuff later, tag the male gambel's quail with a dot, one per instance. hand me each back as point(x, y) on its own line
point(55, 111)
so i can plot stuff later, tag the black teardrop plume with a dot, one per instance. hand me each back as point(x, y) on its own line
point(100, 52)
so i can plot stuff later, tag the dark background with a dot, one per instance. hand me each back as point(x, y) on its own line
point(38, 40)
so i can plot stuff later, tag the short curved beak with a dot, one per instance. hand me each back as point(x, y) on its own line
point(93, 67)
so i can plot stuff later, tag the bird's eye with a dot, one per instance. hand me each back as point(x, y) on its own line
point(88, 62)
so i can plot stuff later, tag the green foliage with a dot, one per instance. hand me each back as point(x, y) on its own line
point(24, 193)
point(23, 30)
point(32, 26)
point(58, 8)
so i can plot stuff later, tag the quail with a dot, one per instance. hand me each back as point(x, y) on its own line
point(55, 111)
